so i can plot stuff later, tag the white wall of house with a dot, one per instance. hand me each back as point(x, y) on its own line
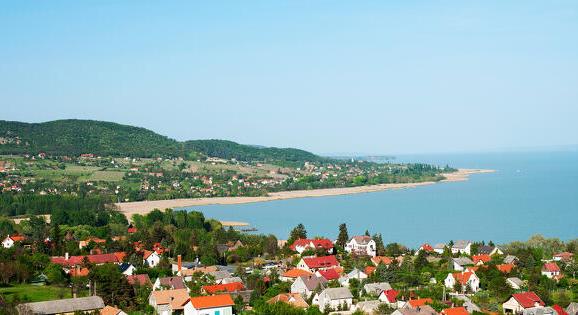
point(324, 301)
point(153, 260)
point(550, 274)
point(7, 243)
point(129, 271)
point(299, 287)
point(303, 266)
point(512, 306)
point(189, 309)
point(368, 249)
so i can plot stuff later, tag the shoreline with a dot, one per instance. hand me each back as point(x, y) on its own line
point(144, 207)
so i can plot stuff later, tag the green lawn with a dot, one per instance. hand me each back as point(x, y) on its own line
point(31, 293)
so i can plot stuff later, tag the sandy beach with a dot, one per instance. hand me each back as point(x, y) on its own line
point(143, 207)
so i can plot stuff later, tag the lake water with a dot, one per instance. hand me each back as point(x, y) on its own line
point(531, 193)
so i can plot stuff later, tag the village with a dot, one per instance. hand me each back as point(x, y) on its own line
point(349, 275)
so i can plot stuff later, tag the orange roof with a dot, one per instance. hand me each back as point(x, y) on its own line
point(228, 287)
point(203, 302)
point(462, 277)
point(176, 298)
point(296, 273)
point(109, 310)
point(120, 256)
point(481, 258)
point(79, 272)
point(18, 238)
point(294, 299)
point(505, 268)
point(420, 302)
point(381, 260)
point(369, 270)
point(455, 311)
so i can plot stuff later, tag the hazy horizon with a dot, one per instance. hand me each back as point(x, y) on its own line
point(364, 78)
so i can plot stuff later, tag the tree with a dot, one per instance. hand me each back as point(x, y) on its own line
point(379, 247)
point(343, 236)
point(111, 285)
point(297, 233)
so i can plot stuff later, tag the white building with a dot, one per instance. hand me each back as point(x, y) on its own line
point(151, 258)
point(466, 279)
point(209, 305)
point(361, 245)
point(462, 247)
point(519, 302)
point(333, 298)
point(9, 241)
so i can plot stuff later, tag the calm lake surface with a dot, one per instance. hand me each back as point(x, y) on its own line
point(531, 193)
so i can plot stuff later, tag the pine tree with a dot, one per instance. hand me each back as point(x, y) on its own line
point(343, 235)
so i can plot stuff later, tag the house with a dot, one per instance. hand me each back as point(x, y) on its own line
point(294, 299)
point(515, 283)
point(127, 269)
point(389, 297)
point(329, 274)
point(462, 247)
point(9, 241)
point(467, 279)
point(564, 256)
point(572, 309)
point(109, 310)
point(381, 260)
point(170, 283)
point(511, 259)
point(489, 250)
point(551, 270)
point(303, 244)
point(95, 240)
point(209, 305)
point(439, 248)
point(313, 264)
point(559, 310)
point(416, 303)
point(151, 258)
point(367, 307)
point(426, 248)
point(333, 298)
point(165, 302)
point(376, 288)
point(221, 288)
point(306, 285)
point(422, 310)
point(98, 259)
point(460, 263)
point(519, 302)
point(455, 311)
point(139, 280)
point(505, 268)
point(481, 259)
point(354, 274)
point(361, 245)
point(293, 274)
point(64, 306)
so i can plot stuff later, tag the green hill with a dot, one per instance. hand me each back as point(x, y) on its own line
point(74, 137)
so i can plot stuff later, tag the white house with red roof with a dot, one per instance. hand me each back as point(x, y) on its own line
point(361, 245)
point(9, 241)
point(151, 258)
point(304, 244)
point(312, 264)
point(221, 304)
point(389, 297)
point(519, 302)
point(551, 270)
point(564, 256)
point(425, 247)
point(465, 278)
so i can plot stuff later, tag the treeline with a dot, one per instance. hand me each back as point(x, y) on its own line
point(74, 137)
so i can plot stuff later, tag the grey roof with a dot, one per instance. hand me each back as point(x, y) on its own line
point(355, 273)
point(231, 280)
point(510, 259)
point(338, 293)
point(572, 309)
point(362, 239)
point(461, 244)
point(368, 306)
point(376, 288)
point(245, 295)
point(463, 261)
point(516, 281)
point(485, 249)
point(313, 281)
point(220, 274)
point(62, 306)
point(422, 310)
point(439, 246)
point(540, 310)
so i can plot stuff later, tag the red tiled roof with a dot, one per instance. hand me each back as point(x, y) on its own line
point(204, 302)
point(559, 310)
point(18, 238)
point(455, 311)
point(462, 277)
point(381, 260)
point(391, 295)
point(229, 287)
point(564, 255)
point(505, 268)
point(484, 258)
point(321, 262)
point(95, 259)
point(329, 274)
point(551, 267)
point(528, 299)
point(420, 302)
point(317, 243)
point(427, 247)
point(295, 273)
point(369, 270)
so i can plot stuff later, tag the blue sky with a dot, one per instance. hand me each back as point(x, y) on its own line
point(374, 77)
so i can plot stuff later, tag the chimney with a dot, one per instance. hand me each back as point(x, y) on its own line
point(66, 256)
point(179, 264)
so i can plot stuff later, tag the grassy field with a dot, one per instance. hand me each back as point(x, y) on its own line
point(31, 293)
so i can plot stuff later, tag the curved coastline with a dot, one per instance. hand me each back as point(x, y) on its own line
point(143, 207)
